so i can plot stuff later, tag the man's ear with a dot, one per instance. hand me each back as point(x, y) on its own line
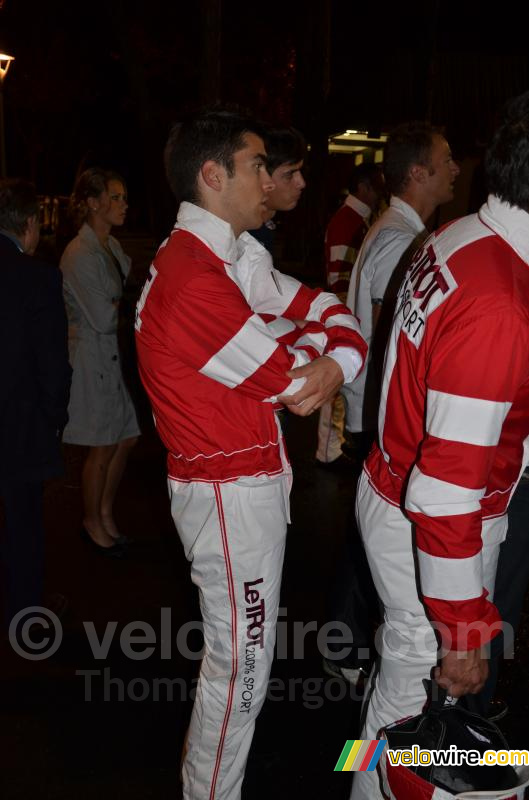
point(419, 173)
point(213, 175)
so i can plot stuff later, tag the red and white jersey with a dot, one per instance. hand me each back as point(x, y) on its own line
point(211, 365)
point(343, 239)
point(454, 414)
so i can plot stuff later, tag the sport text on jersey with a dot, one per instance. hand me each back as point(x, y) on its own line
point(425, 287)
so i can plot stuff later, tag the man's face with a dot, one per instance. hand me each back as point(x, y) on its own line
point(245, 193)
point(442, 172)
point(288, 185)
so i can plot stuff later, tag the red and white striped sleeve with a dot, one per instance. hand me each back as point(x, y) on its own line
point(342, 243)
point(269, 291)
point(474, 372)
point(211, 328)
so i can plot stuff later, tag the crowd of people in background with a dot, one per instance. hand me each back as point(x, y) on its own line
point(415, 355)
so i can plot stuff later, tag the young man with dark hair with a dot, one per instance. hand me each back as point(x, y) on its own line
point(214, 371)
point(34, 391)
point(285, 153)
point(454, 418)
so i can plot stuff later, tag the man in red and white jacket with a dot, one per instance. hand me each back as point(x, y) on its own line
point(453, 433)
point(220, 345)
point(343, 239)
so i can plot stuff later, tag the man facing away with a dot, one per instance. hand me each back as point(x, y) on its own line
point(34, 391)
point(215, 370)
point(453, 428)
point(343, 238)
point(420, 174)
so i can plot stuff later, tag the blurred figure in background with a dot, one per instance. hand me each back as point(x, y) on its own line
point(343, 239)
point(34, 391)
point(101, 411)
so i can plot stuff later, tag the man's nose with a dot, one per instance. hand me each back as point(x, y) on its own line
point(300, 181)
point(266, 181)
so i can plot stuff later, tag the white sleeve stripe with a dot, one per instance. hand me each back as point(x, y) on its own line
point(248, 350)
point(316, 340)
point(436, 498)
point(450, 578)
point(280, 326)
point(338, 252)
point(468, 420)
point(347, 320)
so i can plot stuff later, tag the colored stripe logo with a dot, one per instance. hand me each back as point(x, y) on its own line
point(360, 755)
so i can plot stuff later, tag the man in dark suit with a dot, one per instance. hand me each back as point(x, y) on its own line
point(34, 391)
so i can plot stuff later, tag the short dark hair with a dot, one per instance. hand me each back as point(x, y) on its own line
point(367, 172)
point(18, 202)
point(507, 158)
point(90, 183)
point(283, 146)
point(408, 144)
point(214, 134)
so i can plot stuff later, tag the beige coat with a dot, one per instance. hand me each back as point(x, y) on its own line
point(101, 411)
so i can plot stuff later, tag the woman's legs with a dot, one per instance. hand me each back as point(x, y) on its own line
point(114, 473)
point(94, 479)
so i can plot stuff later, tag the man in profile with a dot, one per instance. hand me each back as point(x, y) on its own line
point(285, 154)
point(34, 391)
point(215, 366)
point(420, 173)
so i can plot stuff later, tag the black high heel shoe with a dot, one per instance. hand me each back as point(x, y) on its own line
point(114, 551)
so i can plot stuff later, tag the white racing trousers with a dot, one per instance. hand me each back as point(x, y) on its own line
point(406, 642)
point(234, 535)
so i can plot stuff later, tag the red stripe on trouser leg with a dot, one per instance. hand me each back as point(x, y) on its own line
point(254, 521)
point(229, 575)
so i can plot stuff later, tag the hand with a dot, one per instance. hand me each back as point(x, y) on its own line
point(462, 672)
point(324, 378)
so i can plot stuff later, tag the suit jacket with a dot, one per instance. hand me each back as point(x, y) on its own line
point(34, 362)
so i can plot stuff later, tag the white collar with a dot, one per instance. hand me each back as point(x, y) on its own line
point(357, 205)
point(408, 212)
point(214, 232)
point(509, 222)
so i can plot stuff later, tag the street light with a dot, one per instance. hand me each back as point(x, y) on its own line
point(5, 62)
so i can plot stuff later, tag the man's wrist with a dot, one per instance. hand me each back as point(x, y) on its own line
point(349, 360)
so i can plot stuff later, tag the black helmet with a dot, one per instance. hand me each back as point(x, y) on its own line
point(443, 727)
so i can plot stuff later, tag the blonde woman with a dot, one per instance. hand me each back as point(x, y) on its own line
point(101, 412)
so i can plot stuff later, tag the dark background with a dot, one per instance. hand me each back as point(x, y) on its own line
point(102, 81)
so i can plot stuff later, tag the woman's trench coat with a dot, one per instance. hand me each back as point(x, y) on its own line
point(101, 411)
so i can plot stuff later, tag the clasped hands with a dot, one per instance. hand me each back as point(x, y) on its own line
point(324, 377)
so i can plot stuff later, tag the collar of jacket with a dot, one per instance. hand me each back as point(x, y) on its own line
point(356, 204)
point(407, 211)
point(213, 231)
point(509, 222)
point(12, 238)
point(89, 236)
